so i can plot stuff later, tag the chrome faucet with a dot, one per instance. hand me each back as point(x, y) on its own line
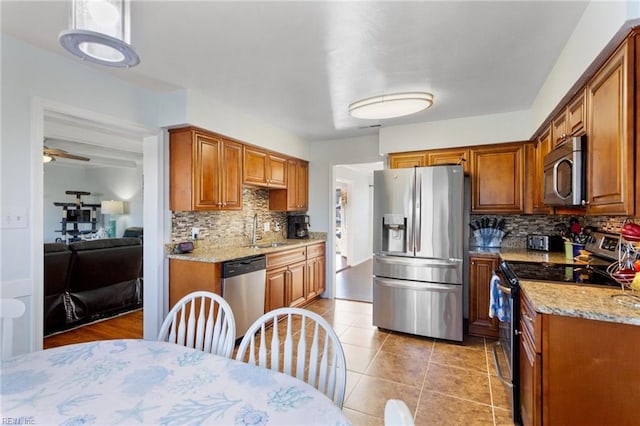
point(255, 228)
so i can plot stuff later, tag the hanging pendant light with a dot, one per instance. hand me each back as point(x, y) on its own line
point(391, 105)
point(100, 33)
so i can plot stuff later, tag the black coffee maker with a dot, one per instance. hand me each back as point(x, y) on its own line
point(298, 226)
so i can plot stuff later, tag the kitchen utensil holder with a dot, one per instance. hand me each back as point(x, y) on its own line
point(488, 237)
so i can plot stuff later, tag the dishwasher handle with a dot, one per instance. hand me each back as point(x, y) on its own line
point(242, 266)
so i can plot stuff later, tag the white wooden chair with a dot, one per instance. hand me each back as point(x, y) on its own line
point(396, 413)
point(308, 339)
point(208, 326)
point(10, 309)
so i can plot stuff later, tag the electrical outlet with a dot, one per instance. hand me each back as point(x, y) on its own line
point(194, 233)
point(265, 227)
point(277, 227)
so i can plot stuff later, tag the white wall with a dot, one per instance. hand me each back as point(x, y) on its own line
point(358, 213)
point(599, 23)
point(107, 183)
point(479, 130)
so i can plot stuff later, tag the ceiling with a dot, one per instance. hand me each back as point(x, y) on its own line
point(298, 65)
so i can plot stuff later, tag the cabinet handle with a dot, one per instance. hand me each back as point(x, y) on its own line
point(517, 332)
point(584, 203)
point(527, 317)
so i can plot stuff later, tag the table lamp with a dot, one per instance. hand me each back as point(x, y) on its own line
point(112, 208)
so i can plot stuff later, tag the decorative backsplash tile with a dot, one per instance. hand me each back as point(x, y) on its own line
point(519, 226)
point(225, 228)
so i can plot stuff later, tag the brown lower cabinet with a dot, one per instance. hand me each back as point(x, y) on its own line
point(481, 269)
point(577, 371)
point(294, 277)
point(186, 276)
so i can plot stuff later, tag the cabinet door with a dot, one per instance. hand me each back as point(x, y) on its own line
point(231, 175)
point(577, 115)
point(610, 171)
point(302, 191)
point(480, 273)
point(559, 128)
point(497, 184)
point(207, 175)
point(315, 275)
point(296, 284)
point(407, 159)
point(541, 148)
point(255, 167)
point(449, 156)
point(276, 172)
point(530, 383)
point(275, 291)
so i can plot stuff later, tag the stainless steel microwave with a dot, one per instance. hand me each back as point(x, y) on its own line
point(564, 178)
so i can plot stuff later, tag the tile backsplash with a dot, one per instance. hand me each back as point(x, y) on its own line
point(226, 228)
point(519, 226)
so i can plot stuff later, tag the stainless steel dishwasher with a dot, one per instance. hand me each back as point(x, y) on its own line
point(243, 287)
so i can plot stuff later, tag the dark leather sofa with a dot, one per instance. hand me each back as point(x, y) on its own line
point(103, 277)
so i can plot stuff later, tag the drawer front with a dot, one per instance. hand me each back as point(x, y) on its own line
point(286, 257)
point(530, 324)
point(315, 250)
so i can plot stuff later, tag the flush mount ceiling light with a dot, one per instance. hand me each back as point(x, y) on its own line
point(391, 105)
point(100, 33)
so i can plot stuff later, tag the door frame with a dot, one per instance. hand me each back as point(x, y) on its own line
point(154, 200)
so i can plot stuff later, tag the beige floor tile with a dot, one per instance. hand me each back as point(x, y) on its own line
point(371, 394)
point(360, 419)
point(458, 382)
point(400, 368)
point(351, 306)
point(358, 357)
point(459, 356)
point(418, 347)
point(352, 380)
point(500, 393)
point(369, 338)
point(438, 409)
point(503, 417)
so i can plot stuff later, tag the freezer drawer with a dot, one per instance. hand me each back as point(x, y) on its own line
point(447, 271)
point(425, 309)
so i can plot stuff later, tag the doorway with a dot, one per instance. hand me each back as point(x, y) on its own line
point(353, 188)
point(50, 118)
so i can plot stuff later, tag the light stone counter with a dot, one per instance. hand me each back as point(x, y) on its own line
point(222, 254)
point(591, 302)
point(524, 255)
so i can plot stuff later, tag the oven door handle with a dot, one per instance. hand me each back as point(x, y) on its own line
point(498, 368)
point(505, 290)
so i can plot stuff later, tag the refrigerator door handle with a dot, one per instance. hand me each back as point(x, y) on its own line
point(416, 285)
point(415, 262)
point(418, 212)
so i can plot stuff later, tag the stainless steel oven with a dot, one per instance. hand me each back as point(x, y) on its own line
point(506, 351)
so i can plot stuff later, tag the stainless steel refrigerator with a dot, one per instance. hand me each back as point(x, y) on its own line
point(418, 250)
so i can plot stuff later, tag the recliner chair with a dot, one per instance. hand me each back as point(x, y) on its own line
point(57, 259)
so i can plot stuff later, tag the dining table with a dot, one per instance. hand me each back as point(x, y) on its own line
point(131, 381)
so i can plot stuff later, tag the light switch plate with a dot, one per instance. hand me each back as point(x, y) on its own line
point(14, 218)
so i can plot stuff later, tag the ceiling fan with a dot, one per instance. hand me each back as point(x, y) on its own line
point(49, 154)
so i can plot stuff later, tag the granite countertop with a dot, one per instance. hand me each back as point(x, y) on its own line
point(582, 301)
point(524, 255)
point(222, 254)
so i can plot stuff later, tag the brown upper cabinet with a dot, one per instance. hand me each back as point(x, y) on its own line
point(535, 172)
point(449, 156)
point(205, 171)
point(403, 160)
point(262, 168)
point(571, 121)
point(610, 144)
point(296, 195)
point(498, 178)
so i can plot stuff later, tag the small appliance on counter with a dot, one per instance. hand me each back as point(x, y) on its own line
point(545, 242)
point(298, 226)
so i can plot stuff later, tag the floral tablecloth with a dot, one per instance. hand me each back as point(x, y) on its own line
point(148, 382)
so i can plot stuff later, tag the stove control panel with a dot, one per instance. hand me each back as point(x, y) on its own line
point(604, 245)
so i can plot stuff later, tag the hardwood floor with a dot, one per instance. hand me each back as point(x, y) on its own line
point(125, 326)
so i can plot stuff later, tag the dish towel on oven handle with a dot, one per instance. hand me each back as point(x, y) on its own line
point(498, 302)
